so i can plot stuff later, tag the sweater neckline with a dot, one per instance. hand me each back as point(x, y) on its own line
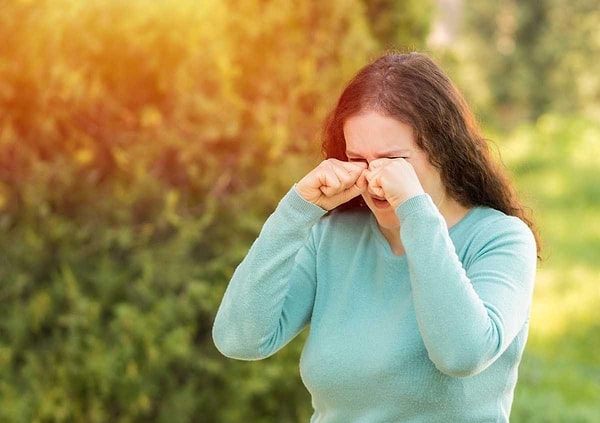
point(463, 220)
point(382, 241)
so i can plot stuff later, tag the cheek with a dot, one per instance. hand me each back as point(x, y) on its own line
point(367, 199)
point(427, 173)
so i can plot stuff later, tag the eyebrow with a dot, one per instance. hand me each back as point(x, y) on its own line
point(384, 154)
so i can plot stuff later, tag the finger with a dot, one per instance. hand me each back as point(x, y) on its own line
point(339, 179)
point(354, 169)
point(340, 175)
point(379, 163)
point(374, 186)
point(361, 183)
point(354, 166)
point(376, 190)
point(326, 178)
point(330, 183)
point(349, 194)
point(372, 175)
point(348, 175)
point(351, 180)
point(354, 191)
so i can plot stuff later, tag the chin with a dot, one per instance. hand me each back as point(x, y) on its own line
point(386, 219)
point(388, 222)
point(384, 213)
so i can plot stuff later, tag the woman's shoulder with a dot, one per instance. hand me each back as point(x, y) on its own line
point(484, 229)
point(346, 217)
point(345, 223)
point(491, 221)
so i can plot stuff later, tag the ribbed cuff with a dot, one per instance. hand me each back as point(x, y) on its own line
point(295, 201)
point(413, 205)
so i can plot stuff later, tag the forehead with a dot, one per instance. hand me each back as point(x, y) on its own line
point(372, 133)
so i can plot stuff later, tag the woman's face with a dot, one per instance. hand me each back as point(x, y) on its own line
point(370, 136)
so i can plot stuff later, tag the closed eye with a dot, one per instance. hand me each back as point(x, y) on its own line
point(357, 160)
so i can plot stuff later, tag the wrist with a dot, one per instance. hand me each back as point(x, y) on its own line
point(308, 200)
point(395, 202)
point(302, 191)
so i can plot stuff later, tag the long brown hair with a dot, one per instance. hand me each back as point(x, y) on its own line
point(413, 89)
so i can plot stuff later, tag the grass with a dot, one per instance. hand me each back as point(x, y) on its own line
point(555, 163)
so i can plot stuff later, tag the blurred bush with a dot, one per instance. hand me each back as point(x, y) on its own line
point(520, 60)
point(142, 144)
point(556, 160)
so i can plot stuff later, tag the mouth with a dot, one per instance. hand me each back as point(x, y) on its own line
point(380, 203)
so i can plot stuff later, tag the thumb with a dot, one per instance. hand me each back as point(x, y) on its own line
point(355, 190)
point(376, 164)
point(361, 183)
point(354, 168)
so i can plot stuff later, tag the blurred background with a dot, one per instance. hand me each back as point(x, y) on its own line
point(143, 144)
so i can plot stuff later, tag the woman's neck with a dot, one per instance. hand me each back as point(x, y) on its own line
point(393, 238)
point(451, 210)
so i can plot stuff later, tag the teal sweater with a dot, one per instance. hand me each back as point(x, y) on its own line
point(435, 335)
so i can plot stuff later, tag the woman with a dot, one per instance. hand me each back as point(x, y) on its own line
point(406, 251)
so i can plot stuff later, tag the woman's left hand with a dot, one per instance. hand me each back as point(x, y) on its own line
point(393, 179)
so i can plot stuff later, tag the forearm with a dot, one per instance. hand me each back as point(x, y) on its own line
point(249, 317)
point(466, 318)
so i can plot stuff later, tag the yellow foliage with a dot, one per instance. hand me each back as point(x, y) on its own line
point(150, 117)
point(4, 195)
point(557, 309)
point(84, 156)
point(39, 307)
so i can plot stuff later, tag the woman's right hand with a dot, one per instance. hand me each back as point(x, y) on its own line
point(333, 182)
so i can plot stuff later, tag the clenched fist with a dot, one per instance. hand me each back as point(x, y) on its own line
point(394, 180)
point(332, 182)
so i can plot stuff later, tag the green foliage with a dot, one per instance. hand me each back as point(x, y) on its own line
point(400, 24)
point(556, 162)
point(524, 59)
point(142, 145)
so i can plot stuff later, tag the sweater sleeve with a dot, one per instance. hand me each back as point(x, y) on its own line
point(270, 296)
point(468, 313)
